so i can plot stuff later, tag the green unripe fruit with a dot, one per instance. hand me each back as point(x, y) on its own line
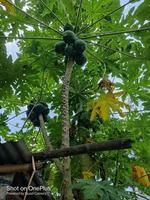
point(30, 106)
point(41, 108)
point(60, 47)
point(68, 27)
point(36, 122)
point(79, 46)
point(80, 59)
point(69, 37)
point(69, 51)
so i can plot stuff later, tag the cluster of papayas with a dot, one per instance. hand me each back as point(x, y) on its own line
point(71, 46)
point(34, 110)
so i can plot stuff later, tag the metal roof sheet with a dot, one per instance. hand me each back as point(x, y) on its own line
point(14, 153)
point(17, 153)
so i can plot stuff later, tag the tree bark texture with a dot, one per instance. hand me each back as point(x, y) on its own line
point(48, 144)
point(66, 193)
point(69, 151)
point(84, 148)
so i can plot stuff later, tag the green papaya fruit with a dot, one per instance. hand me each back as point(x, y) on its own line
point(79, 46)
point(69, 37)
point(68, 27)
point(80, 59)
point(69, 51)
point(60, 47)
point(39, 108)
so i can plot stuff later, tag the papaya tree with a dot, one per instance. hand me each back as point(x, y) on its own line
point(89, 62)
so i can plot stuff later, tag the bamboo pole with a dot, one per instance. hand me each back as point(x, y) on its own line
point(7, 169)
point(84, 148)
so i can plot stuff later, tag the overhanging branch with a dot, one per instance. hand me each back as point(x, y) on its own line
point(52, 12)
point(28, 38)
point(116, 33)
point(103, 17)
point(84, 148)
point(78, 14)
point(33, 18)
point(112, 49)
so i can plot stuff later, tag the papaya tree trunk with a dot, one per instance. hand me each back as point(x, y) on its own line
point(43, 130)
point(48, 144)
point(66, 192)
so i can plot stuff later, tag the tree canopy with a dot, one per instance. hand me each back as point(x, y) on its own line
point(109, 96)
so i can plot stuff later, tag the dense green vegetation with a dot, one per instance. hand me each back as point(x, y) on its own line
point(116, 47)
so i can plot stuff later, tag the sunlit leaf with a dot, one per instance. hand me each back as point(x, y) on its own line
point(8, 7)
point(87, 174)
point(139, 174)
point(105, 103)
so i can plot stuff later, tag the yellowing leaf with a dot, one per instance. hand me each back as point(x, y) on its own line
point(105, 103)
point(87, 174)
point(106, 84)
point(8, 7)
point(139, 174)
point(118, 94)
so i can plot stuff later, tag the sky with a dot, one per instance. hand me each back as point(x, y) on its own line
point(130, 6)
point(12, 49)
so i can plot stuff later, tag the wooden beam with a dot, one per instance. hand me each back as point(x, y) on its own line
point(6, 169)
point(83, 149)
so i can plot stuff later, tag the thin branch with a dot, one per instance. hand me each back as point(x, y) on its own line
point(104, 72)
point(48, 144)
point(76, 24)
point(140, 195)
point(116, 169)
point(117, 33)
point(52, 12)
point(28, 38)
point(146, 110)
point(35, 19)
point(44, 132)
point(103, 17)
point(115, 50)
point(37, 59)
point(42, 84)
point(24, 22)
point(28, 116)
point(102, 170)
point(14, 116)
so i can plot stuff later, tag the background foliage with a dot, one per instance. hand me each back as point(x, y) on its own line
point(37, 74)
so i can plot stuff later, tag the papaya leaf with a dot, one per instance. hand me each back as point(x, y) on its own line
point(105, 104)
